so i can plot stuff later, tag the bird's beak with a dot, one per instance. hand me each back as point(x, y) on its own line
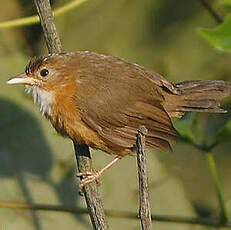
point(21, 79)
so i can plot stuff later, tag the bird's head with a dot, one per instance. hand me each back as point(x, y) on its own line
point(44, 77)
point(43, 72)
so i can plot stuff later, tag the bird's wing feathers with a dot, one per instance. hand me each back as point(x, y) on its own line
point(120, 127)
point(115, 112)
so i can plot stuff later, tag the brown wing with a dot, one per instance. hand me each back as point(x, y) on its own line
point(120, 128)
point(117, 97)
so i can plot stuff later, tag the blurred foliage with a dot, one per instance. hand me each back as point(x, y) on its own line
point(219, 37)
point(226, 4)
point(38, 166)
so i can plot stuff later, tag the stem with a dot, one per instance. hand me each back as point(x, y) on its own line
point(26, 21)
point(215, 177)
point(114, 213)
point(144, 210)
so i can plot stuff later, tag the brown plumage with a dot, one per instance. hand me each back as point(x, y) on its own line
point(101, 100)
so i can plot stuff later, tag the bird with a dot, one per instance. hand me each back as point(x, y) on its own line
point(101, 101)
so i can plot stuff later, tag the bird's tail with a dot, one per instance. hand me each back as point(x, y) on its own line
point(201, 96)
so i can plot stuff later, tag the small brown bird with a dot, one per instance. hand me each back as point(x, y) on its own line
point(101, 101)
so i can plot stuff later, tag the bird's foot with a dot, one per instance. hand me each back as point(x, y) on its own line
point(89, 177)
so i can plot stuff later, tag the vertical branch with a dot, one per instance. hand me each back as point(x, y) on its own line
point(82, 153)
point(144, 209)
point(48, 24)
point(91, 193)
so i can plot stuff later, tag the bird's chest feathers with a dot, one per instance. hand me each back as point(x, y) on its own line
point(43, 98)
point(60, 108)
point(57, 107)
point(64, 113)
point(66, 118)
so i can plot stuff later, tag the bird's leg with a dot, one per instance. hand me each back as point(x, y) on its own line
point(89, 177)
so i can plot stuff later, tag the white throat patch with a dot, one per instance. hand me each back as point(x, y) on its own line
point(42, 97)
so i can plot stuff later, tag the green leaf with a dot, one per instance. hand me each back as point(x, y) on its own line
point(219, 37)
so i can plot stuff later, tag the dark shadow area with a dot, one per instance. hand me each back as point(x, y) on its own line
point(23, 140)
point(23, 149)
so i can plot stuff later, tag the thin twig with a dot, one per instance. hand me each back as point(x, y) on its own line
point(144, 209)
point(212, 222)
point(210, 9)
point(82, 153)
point(27, 21)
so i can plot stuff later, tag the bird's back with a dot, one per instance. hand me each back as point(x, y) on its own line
point(115, 97)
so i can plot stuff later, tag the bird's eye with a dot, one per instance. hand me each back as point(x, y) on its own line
point(44, 72)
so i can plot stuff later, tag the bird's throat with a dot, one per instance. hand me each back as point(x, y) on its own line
point(44, 98)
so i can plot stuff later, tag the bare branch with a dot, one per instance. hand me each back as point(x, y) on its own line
point(91, 193)
point(144, 210)
point(48, 24)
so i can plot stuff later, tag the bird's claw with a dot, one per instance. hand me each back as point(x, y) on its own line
point(84, 174)
point(87, 178)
